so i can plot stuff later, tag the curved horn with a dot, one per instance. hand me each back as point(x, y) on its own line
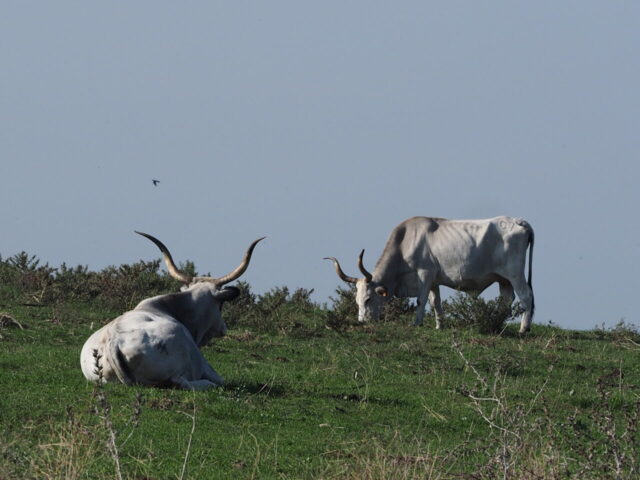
point(171, 267)
point(366, 274)
point(339, 271)
point(230, 277)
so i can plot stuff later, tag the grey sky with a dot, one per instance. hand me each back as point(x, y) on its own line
point(323, 125)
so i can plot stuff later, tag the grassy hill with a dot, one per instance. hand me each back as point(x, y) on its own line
point(310, 394)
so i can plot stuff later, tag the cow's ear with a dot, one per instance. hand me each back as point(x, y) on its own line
point(382, 291)
point(227, 294)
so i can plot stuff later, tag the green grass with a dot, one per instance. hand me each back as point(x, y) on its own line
point(386, 400)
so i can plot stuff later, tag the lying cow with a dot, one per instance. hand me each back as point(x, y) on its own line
point(423, 253)
point(158, 342)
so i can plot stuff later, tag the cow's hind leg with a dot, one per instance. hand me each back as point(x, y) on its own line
point(436, 305)
point(525, 294)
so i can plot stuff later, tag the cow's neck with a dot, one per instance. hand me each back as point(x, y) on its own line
point(192, 308)
point(198, 320)
point(386, 272)
point(391, 265)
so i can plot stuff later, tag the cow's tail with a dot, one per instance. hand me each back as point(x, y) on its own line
point(119, 364)
point(531, 239)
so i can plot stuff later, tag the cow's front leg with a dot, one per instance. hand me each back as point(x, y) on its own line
point(203, 371)
point(213, 376)
point(186, 384)
point(434, 300)
point(424, 288)
point(506, 292)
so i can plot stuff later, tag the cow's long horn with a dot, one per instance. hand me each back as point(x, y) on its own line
point(171, 267)
point(364, 271)
point(230, 277)
point(339, 271)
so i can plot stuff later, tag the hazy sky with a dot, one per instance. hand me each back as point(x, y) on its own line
point(323, 125)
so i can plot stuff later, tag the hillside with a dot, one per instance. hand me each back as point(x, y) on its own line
point(310, 394)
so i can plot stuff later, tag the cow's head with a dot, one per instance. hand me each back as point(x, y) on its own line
point(211, 287)
point(370, 296)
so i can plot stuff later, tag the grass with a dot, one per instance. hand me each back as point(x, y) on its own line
point(375, 401)
point(311, 395)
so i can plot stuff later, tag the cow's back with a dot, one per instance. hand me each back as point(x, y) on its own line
point(465, 249)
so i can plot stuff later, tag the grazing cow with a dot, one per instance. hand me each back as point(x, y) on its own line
point(423, 253)
point(158, 342)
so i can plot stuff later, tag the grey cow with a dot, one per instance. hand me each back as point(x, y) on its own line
point(423, 253)
point(158, 342)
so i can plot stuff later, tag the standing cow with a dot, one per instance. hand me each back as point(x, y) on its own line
point(423, 253)
point(158, 342)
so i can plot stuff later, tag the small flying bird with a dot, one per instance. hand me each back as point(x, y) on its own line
point(155, 182)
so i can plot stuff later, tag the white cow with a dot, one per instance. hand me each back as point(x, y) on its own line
point(158, 342)
point(423, 253)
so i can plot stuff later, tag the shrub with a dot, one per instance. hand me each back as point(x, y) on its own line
point(31, 281)
point(344, 311)
point(76, 283)
point(396, 308)
point(240, 308)
point(24, 280)
point(472, 311)
point(277, 310)
point(125, 286)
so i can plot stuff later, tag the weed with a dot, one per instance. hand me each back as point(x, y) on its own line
point(103, 410)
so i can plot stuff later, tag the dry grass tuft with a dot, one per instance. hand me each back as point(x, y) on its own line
point(377, 459)
point(7, 321)
point(69, 454)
